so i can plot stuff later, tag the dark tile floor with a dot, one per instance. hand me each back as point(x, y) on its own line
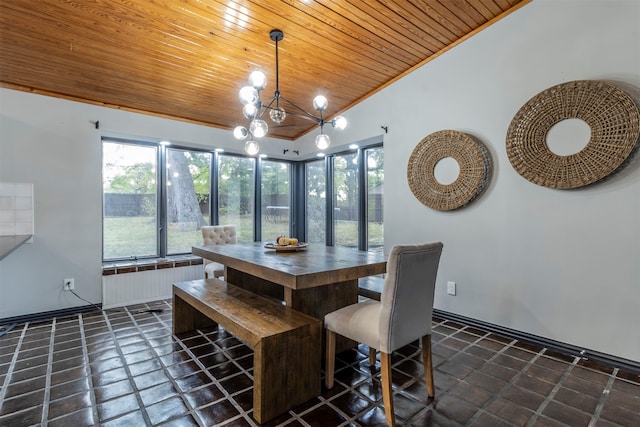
point(125, 368)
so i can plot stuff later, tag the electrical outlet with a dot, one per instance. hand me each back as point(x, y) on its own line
point(67, 284)
point(451, 288)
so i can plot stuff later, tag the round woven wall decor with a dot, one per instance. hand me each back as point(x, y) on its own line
point(611, 114)
point(472, 157)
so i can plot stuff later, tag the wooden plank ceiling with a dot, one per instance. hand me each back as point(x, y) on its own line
point(187, 59)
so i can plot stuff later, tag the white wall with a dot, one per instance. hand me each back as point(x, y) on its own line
point(53, 144)
point(560, 264)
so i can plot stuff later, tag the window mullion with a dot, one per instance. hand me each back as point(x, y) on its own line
point(257, 210)
point(362, 201)
point(214, 216)
point(163, 227)
point(297, 201)
point(330, 229)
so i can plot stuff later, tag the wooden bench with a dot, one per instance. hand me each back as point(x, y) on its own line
point(286, 343)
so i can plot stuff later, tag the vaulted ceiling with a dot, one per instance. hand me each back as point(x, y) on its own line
point(187, 59)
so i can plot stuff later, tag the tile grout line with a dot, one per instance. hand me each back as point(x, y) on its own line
point(225, 393)
point(500, 393)
point(136, 392)
point(47, 384)
point(504, 361)
point(174, 338)
point(228, 396)
point(432, 403)
point(603, 398)
point(324, 401)
point(497, 394)
point(85, 357)
point(14, 359)
point(419, 353)
point(191, 410)
point(244, 414)
point(457, 352)
point(534, 418)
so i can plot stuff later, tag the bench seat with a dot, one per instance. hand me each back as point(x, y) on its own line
point(286, 343)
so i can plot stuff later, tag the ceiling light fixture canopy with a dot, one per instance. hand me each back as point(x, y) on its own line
point(254, 109)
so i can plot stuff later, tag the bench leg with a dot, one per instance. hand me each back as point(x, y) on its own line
point(186, 318)
point(286, 371)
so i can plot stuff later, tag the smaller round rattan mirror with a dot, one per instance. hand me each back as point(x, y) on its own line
point(611, 115)
point(474, 164)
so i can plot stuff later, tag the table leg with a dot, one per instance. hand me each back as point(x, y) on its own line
point(316, 301)
point(322, 300)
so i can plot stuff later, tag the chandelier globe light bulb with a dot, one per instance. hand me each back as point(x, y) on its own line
point(258, 128)
point(251, 147)
point(278, 115)
point(323, 141)
point(320, 103)
point(240, 132)
point(258, 80)
point(250, 111)
point(248, 95)
point(339, 122)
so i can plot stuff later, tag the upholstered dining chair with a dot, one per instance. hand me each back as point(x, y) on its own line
point(402, 315)
point(217, 235)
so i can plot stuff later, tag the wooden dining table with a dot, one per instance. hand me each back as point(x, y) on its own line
point(315, 280)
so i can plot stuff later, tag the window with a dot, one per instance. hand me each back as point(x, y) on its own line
point(188, 187)
point(374, 158)
point(346, 214)
point(316, 201)
point(139, 202)
point(157, 197)
point(352, 191)
point(276, 199)
point(130, 200)
point(236, 192)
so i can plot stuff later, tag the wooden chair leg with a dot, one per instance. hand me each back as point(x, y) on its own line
point(428, 364)
point(387, 390)
point(372, 356)
point(330, 358)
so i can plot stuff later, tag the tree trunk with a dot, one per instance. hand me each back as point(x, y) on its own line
point(183, 206)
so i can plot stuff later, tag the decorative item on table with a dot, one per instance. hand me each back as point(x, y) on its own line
point(284, 243)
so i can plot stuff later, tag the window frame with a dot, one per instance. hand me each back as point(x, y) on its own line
point(297, 194)
point(363, 211)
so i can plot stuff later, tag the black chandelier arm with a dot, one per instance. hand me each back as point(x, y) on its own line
point(287, 126)
point(302, 111)
point(263, 108)
point(302, 116)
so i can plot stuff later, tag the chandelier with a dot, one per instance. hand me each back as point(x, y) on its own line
point(254, 109)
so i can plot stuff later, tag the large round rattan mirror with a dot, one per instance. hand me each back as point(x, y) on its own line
point(610, 114)
point(448, 169)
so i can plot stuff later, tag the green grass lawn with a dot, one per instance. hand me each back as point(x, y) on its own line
point(125, 237)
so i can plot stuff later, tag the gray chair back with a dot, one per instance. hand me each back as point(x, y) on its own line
point(407, 294)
